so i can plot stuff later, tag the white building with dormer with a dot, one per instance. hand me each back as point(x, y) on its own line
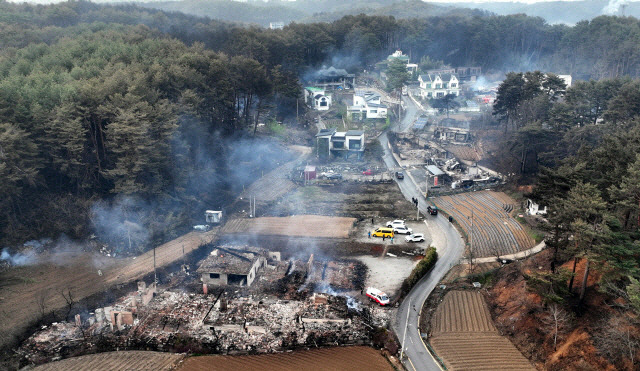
point(437, 85)
point(367, 105)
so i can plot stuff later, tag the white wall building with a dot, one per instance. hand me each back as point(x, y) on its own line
point(317, 98)
point(438, 85)
point(367, 105)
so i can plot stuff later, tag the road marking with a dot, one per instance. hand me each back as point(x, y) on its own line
point(414, 367)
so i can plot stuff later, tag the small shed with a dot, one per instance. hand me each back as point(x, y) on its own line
point(309, 172)
point(213, 216)
point(434, 170)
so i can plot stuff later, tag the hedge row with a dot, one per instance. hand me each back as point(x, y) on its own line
point(423, 267)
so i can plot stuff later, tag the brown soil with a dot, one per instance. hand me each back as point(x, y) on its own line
point(347, 358)
point(465, 338)
point(296, 226)
point(582, 340)
point(116, 361)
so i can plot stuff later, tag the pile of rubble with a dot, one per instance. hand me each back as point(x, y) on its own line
point(180, 321)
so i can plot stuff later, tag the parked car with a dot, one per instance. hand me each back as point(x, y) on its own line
point(383, 232)
point(333, 176)
point(416, 237)
point(396, 223)
point(402, 230)
point(367, 172)
point(377, 296)
point(202, 227)
point(399, 175)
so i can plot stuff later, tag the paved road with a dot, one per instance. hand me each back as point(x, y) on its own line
point(450, 247)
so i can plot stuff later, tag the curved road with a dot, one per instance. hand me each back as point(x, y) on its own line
point(450, 248)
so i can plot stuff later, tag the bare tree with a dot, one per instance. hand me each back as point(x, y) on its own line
point(68, 298)
point(41, 301)
point(559, 318)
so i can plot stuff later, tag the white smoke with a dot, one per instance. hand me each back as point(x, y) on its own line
point(613, 7)
point(18, 258)
point(325, 288)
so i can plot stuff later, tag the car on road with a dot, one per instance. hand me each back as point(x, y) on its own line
point(416, 237)
point(432, 210)
point(367, 172)
point(402, 230)
point(377, 296)
point(396, 223)
point(399, 175)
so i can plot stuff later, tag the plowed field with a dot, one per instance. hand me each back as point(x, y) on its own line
point(462, 311)
point(465, 338)
point(115, 361)
point(495, 232)
point(297, 226)
point(355, 358)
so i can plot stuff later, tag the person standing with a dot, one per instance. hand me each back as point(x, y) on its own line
point(391, 240)
point(369, 234)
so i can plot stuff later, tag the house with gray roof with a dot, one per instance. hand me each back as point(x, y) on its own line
point(331, 143)
point(437, 85)
point(367, 105)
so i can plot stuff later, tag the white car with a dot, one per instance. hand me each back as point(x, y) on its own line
point(418, 237)
point(396, 223)
point(402, 230)
point(377, 296)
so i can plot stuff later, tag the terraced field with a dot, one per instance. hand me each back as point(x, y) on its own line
point(465, 338)
point(297, 226)
point(116, 361)
point(355, 358)
point(495, 232)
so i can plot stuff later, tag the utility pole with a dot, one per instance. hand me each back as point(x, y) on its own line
point(471, 244)
point(155, 275)
point(406, 327)
point(426, 192)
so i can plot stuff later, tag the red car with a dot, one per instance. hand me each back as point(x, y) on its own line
point(367, 172)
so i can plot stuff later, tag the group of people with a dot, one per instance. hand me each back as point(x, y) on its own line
point(415, 201)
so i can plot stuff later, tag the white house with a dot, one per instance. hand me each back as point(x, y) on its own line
point(438, 85)
point(276, 25)
point(535, 209)
point(340, 143)
point(317, 99)
point(367, 105)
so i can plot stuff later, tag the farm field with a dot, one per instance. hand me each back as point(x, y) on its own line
point(356, 358)
point(495, 232)
point(465, 338)
point(295, 226)
point(116, 361)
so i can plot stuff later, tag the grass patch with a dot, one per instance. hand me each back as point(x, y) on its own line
point(536, 235)
point(310, 191)
point(485, 278)
point(276, 129)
